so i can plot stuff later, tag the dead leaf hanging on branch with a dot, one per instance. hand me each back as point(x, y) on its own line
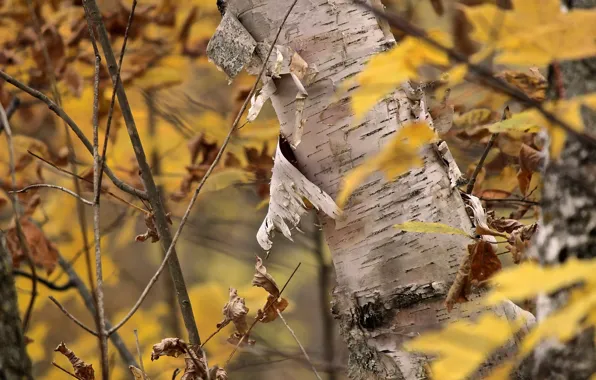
point(151, 228)
point(195, 366)
point(274, 303)
point(82, 370)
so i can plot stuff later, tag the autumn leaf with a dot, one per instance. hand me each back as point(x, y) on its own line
point(532, 83)
point(462, 346)
point(530, 161)
point(83, 370)
point(263, 279)
point(386, 71)
point(43, 252)
point(151, 228)
point(138, 373)
point(396, 157)
point(431, 228)
point(473, 118)
point(484, 262)
point(173, 347)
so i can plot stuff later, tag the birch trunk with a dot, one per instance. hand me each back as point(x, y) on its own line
point(14, 362)
point(569, 225)
point(391, 284)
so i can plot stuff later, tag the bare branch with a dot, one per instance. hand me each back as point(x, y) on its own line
point(47, 185)
point(65, 370)
point(48, 284)
point(72, 317)
point(75, 128)
point(299, 344)
point(171, 251)
point(17, 217)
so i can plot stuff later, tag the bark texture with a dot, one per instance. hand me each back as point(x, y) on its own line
point(569, 219)
point(14, 362)
point(391, 284)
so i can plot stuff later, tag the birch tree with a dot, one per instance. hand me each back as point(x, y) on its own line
point(391, 284)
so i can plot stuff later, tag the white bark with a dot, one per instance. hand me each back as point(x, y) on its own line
point(391, 284)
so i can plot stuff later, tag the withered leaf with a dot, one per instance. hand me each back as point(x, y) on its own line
point(235, 340)
point(485, 261)
point(218, 373)
point(530, 160)
point(264, 280)
point(137, 373)
point(235, 311)
point(269, 312)
point(43, 252)
point(505, 225)
point(533, 83)
point(151, 228)
point(169, 347)
point(82, 370)
point(461, 285)
point(519, 242)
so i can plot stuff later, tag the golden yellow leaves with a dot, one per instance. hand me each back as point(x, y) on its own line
point(396, 157)
point(460, 355)
point(430, 228)
point(462, 346)
point(535, 32)
point(386, 71)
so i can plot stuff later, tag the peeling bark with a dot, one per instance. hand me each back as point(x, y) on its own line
point(569, 222)
point(14, 362)
point(391, 284)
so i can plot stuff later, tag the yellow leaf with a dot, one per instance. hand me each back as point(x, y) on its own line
point(473, 118)
point(530, 279)
point(535, 32)
point(396, 157)
point(386, 71)
point(524, 122)
point(462, 346)
point(430, 228)
point(563, 324)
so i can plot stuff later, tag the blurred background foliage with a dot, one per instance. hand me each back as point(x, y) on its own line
point(183, 107)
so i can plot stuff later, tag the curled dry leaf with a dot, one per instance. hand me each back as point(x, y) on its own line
point(43, 252)
point(530, 160)
point(137, 373)
point(82, 370)
point(235, 311)
point(151, 229)
point(269, 312)
point(169, 347)
point(505, 225)
point(264, 280)
point(480, 220)
point(218, 373)
point(519, 242)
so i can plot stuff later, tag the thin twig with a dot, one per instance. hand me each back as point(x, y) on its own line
point(117, 341)
point(113, 100)
point(65, 370)
point(489, 77)
point(140, 354)
point(299, 344)
point(247, 333)
point(17, 217)
point(75, 128)
point(48, 284)
point(72, 317)
point(67, 191)
point(94, 18)
point(89, 182)
point(511, 200)
point(97, 163)
point(10, 110)
point(170, 250)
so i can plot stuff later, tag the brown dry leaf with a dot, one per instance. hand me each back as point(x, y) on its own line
point(461, 285)
point(264, 280)
point(532, 83)
point(519, 242)
point(530, 160)
point(269, 312)
point(494, 194)
point(235, 311)
point(235, 338)
point(137, 373)
point(218, 373)
point(151, 228)
point(480, 220)
point(43, 252)
point(485, 261)
point(505, 225)
point(169, 347)
point(82, 370)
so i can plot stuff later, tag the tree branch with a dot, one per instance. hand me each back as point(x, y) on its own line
point(40, 185)
point(72, 317)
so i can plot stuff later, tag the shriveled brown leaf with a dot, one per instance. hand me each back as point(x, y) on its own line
point(530, 161)
point(532, 83)
point(44, 253)
point(519, 242)
point(269, 312)
point(235, 338)
point(494, 194)
point(151, 228)
point(137, 373)
point(235, 311)
point(505, 225)
point(218, 373)
point(82, 370)
point(484, 262)
point(521, 211)
point(459, 290)
point(195, 367)
point(480, 220)
point(264, 280)
point(169, 347)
